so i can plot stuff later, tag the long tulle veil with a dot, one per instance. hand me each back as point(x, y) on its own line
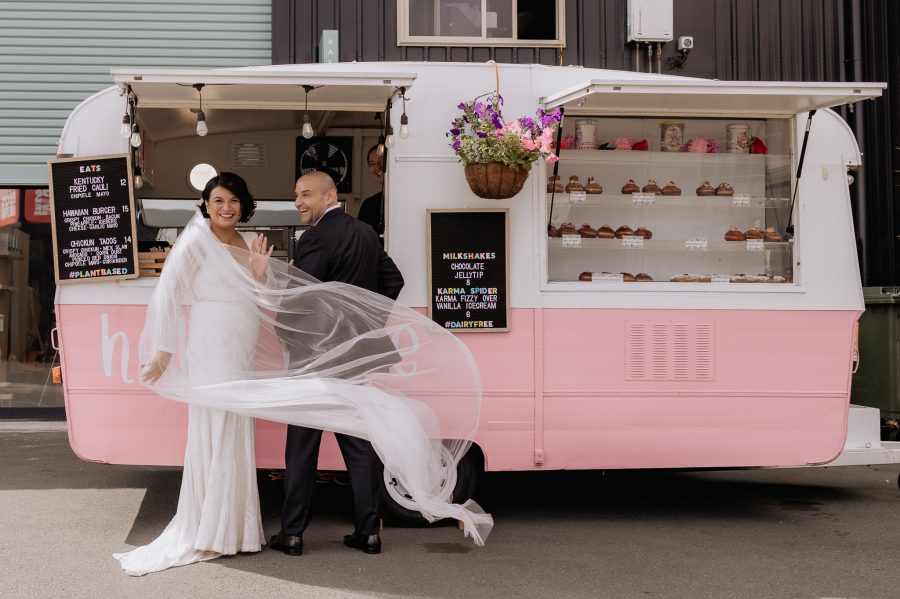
point(327, 355)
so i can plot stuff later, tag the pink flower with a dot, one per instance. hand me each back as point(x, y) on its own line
point(527, 142)
point(514, 126)
point(552, 158)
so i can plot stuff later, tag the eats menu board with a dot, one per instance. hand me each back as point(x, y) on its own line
point(468, 272)
point(92, 218)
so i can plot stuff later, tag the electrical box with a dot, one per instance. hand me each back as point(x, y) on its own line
point(650, 20)
point(328, 46)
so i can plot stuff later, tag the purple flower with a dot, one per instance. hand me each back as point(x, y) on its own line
point(454, 131)
point(480, 134)
point(479, 109)
point(461, 106)
point(546, 121)
point(456, 145)
point(527, 122)
point(498, 122)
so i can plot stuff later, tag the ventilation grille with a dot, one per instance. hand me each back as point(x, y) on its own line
point(248, 155)
point(669, 351)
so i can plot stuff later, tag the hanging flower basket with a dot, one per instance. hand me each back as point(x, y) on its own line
point(498, 154)
point(495, 180)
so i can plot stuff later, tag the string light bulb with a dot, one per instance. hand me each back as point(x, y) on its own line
point(404, 120)
point(202, 129)
point(125, 129)
point(135, 136)
point(389, 141)
point(307, 130)
point(138, 177)
point(380, 149)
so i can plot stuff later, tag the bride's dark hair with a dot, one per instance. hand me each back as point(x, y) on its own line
point(236, 185)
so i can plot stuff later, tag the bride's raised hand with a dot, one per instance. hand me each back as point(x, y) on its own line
point(259, 256)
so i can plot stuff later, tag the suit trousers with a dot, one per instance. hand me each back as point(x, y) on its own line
point(301, 456)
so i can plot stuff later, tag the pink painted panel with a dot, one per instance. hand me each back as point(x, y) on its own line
point(737, 388)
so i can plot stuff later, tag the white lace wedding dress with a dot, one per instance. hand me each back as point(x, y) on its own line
point(218, 506)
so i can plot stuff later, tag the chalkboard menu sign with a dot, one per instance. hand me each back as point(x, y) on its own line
point(468, 273)
point(92, 218)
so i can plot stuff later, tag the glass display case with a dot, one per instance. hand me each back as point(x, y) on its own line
point(696, 201)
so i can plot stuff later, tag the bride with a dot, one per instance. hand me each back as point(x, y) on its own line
point(220, 328)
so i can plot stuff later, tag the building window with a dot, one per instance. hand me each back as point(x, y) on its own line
point(480, 23)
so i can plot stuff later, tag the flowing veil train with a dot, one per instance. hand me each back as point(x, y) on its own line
point(323, 355)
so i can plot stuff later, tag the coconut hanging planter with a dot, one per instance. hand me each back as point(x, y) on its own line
point(495, 180)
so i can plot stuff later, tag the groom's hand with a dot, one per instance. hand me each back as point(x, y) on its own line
point(151, 371)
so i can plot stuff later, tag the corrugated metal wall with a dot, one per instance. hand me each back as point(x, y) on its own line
point(54, 54)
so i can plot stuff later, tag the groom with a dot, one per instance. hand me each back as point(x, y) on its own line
point(337, 248)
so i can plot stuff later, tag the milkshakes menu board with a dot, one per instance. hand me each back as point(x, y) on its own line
point(92, 210)
point(468, 272)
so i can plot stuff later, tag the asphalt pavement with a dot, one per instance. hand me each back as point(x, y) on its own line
point(817, 532)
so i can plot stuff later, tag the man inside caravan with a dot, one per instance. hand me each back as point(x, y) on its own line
point(372, 210)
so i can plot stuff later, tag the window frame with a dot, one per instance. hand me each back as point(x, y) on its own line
point(405, 39)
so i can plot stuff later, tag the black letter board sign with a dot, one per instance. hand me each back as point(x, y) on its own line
point(468, 274)
point(92, 212)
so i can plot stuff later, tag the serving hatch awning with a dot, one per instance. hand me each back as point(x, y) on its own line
point(685, 97)
point(274, 88)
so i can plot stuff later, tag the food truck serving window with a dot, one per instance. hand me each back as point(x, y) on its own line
point(690, 186)
point(677, 200)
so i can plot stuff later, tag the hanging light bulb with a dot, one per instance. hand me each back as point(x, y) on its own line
point(307, 130)
point(380, 149)
point(138, 177)
point(125, 129)
point(404, 120)
point(135, 136)
point(202, 129)
point(389, 141)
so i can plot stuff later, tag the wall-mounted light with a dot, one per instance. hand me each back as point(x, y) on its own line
point(202, 129)
point(307, 130)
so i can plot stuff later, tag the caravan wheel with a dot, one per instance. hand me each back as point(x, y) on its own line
point(458, 484)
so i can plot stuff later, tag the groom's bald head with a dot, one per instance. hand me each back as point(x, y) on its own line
point(314, 193)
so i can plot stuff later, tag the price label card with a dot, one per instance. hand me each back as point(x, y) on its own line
point(571, 241)
point(755, 245)
point(607, 277)
point(577, 197)
point(632, 242)
point(643, 199)
point(697, 245)
point(721, 279)
point(740, 200)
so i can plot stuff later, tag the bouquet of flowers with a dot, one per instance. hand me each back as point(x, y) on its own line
point(481, 135)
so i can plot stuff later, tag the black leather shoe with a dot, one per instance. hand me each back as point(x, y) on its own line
point(287, 544)
point(367, 543)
